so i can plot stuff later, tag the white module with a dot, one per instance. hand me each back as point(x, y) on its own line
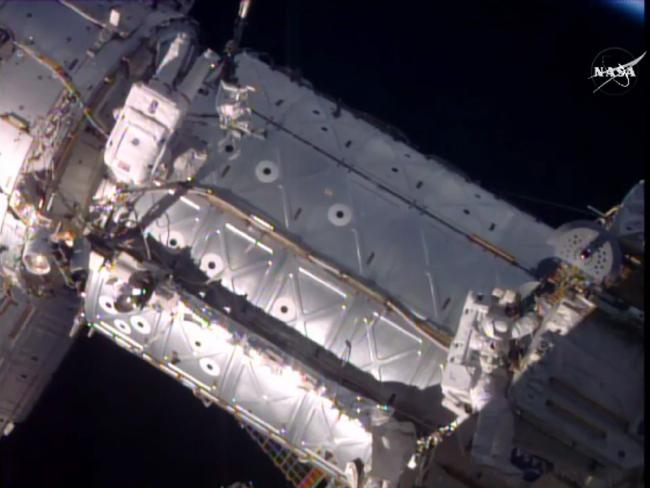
point(139, 140)
point(463, 366)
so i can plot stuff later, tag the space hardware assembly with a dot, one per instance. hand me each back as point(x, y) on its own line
point(367, 313)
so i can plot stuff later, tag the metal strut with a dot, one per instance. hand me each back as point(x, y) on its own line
point(232, 46)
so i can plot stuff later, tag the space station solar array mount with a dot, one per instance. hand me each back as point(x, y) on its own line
point(355, 301)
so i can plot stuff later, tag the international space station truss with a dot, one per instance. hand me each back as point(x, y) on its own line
point(285, 258)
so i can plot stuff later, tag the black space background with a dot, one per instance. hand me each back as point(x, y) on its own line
point(499, 88)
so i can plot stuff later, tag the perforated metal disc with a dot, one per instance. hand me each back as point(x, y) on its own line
point(571, 240)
